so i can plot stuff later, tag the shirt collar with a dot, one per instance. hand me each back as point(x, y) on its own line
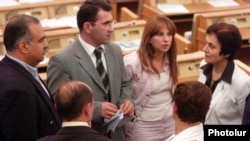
point(74, 123)
point(89, 48)
point(227, 74)
point(32, 70)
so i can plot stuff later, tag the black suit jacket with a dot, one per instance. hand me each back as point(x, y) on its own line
point(246, 115)
point(76, 133)
point(26, 111)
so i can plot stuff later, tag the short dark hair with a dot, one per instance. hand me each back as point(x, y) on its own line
point(229, 37)
point(17, 29)
point(192, 99)
point(88, 11)
point(70, 97)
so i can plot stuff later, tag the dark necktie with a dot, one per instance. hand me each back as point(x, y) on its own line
point(100, 69)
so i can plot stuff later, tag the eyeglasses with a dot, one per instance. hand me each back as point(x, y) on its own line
point(106, 24)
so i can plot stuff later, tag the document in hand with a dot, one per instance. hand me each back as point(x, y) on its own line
point(117, 120)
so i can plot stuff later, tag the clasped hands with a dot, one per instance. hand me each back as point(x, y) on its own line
point(109, 109)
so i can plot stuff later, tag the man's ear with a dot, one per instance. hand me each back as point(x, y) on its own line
point(22, 47)
point(87, 27)
point(88, 109)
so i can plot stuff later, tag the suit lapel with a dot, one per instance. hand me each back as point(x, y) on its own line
point(37, 85)
point(49, 101)
point(86, 63)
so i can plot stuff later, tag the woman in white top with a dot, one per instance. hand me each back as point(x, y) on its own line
point(152, 71)
point(230, 84)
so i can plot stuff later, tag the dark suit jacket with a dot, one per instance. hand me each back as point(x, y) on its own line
point(76, 133)
point(74, 63)
point(26, 111)
point(246, 115)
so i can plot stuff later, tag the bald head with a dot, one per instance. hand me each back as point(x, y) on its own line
point(71, 97)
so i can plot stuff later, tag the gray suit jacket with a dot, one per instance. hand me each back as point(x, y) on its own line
point(73, 63)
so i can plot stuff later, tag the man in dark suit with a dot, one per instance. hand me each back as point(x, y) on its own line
point(246, 114)
point(27, 110)
point(77, 61)
point(74, 102)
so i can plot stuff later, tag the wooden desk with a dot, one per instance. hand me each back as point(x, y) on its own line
point(41, 10)
point(117, 4)
point(243, 66)
point(184, 21)
point(2, 48)
point(60, 38)
point(240, 18)
point(128, 30)
point(131, 30)
point(128, 15)
point(43, 76)
point(188, 65)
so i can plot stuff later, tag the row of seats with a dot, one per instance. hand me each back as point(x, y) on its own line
point(129, 31)
point(42, 10)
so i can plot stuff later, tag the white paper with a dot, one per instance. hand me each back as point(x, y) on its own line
point(117, 120)
point(5, 3)
point(33, 1)
point(223, 3)
point(172, 8)
point(129, 44)
point(68, 21)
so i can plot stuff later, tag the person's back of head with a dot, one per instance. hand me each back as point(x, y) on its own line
point(229, 36)
point(17, 29)
point(192, 100)
point(88, 11)
point(74, 100)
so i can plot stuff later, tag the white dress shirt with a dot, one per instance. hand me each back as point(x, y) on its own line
point(194, 133)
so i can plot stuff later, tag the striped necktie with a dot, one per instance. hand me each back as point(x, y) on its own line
point(100, 69)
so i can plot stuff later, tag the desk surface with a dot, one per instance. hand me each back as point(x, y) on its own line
point(39, 4)
point(206, 7)
point(117, 4)
point(184, 21)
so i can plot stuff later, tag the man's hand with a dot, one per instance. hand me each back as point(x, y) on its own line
point(127, 108)
point(108, 110)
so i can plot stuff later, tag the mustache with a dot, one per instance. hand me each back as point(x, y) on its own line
point(46, 50)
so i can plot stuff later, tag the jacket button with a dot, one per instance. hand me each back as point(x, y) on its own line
point(105, 97)
point(51, 122)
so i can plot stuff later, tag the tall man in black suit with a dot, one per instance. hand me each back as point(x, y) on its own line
point(246, 114)
point(74, 102)
point(27, 110)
